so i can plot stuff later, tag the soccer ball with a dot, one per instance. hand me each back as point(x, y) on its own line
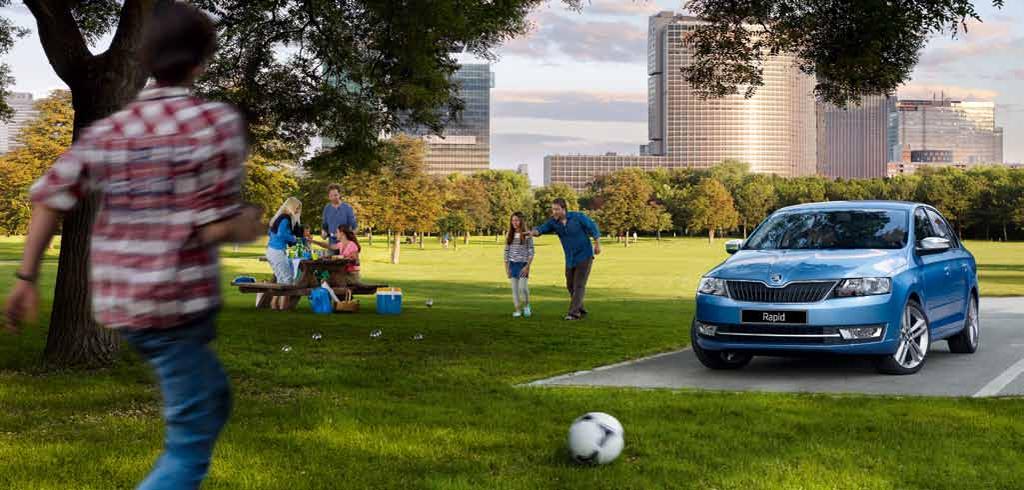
point(595, 438)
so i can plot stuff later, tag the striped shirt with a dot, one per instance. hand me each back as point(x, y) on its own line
point(165, 165)
point(518, 250)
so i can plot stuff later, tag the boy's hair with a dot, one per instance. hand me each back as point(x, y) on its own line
point(178, 39)
point(334, 187)
point(561, 202)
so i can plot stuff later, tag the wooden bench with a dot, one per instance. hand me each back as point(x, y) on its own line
point(305, 282)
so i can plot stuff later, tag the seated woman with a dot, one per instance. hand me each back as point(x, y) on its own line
point(281, 237)
point(348, 248)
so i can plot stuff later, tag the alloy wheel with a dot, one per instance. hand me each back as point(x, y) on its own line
point(972, 323)
point(914, 339)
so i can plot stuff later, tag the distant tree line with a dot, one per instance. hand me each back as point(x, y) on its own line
point(395, 196)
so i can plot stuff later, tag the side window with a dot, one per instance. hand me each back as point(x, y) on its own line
point(922, 227)
point(942, 228)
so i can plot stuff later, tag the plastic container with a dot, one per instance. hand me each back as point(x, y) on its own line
point(389, 301)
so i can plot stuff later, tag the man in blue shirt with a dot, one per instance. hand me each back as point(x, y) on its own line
point(574, 230)
point(336, 213)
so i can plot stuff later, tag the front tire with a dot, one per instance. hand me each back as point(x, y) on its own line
point(967, 341)
point(913, 346)
point(714, 359)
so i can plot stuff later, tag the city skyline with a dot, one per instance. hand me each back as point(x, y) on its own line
point(571, 84)
point(772, 131)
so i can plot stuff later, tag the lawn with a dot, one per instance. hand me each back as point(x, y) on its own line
point(445, 412)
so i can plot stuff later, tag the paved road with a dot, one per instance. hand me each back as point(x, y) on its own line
point(996, 369)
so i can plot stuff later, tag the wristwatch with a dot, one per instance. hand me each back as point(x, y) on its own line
point(25, 277)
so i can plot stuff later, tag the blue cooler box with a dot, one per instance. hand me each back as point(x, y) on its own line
point(389, 301)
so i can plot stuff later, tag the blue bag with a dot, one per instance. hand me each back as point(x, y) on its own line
point(320, 301)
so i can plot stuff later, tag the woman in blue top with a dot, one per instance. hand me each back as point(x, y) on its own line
point(282, 237)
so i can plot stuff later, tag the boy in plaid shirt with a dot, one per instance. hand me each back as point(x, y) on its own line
point(167, 169)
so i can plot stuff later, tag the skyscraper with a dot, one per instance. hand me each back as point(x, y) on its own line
point(853, 141)
point(773, 131)
point(964, 130)
point(465, 145)
point(24, 111)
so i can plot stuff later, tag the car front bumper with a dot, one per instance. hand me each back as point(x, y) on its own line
point(819, 335)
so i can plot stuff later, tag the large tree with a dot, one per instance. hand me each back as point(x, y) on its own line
point(855, 48)
point(754, 200)
point(40, 142)
point(713, 208)
point(348, 70)
point(625, 203)
point(544, 196)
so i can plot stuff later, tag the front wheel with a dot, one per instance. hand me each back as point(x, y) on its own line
point(714, 359)
point(913, 346)
point(966, 342)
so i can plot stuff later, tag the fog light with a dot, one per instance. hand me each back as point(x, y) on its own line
point(860, 333)
point(706, 330)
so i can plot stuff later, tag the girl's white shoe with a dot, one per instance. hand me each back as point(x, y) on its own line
point(517, 314)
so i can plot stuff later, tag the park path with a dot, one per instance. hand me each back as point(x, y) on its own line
point(997, 369)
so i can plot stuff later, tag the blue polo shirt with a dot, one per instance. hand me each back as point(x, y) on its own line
point(337, 216)
point(575, 236)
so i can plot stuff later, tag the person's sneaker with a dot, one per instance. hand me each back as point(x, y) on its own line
point(516, 314)
point(571, 317)
point(527, 312)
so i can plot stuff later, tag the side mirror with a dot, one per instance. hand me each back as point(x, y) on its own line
point(733, 246)
point(933, 245)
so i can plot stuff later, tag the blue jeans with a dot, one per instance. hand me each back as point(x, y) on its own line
point(197, 400)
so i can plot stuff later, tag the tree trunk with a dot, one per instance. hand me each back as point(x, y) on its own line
point(744, 230)
point(99, 87)
point(465, 239)
point(711, 235)
point(397, 247)
point(659, 235)
point(1005, 236)
point(421, 241)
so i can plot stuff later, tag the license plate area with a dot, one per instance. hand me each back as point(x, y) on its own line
point(784, 317)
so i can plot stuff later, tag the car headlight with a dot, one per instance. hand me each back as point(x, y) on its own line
point(712, 285)
point(863, 286)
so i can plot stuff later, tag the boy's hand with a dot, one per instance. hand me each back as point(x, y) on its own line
point(22, 304)
point(525, 272)
point(597, 248)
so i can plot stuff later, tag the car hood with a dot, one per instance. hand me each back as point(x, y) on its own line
point(807, 265)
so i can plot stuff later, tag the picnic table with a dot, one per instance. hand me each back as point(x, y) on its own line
point(306, 281)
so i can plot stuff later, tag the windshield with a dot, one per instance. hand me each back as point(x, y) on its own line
point(831, 230)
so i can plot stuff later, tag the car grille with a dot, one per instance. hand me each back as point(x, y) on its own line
point(785, 334)
point(798, 292)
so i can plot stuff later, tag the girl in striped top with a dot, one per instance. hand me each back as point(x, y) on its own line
point(518, 257)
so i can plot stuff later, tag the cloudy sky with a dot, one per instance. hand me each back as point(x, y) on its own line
point(577, 82)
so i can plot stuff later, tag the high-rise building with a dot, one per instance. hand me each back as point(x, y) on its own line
point(465, 143)
point(966, 130)
point(773, 131)
point(24, 111)
point(854, 141)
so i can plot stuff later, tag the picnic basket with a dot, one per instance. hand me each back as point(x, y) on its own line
point(347, 305)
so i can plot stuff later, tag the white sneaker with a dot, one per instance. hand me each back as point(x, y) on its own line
point(516, 314)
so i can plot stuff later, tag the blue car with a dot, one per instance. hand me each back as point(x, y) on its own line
point(870, 278)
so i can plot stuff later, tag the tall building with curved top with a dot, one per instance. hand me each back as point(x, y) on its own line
point(774, 131)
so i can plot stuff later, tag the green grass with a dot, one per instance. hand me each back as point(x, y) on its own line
point(446, 412)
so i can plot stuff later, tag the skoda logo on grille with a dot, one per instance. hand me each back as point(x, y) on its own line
point(776, 278)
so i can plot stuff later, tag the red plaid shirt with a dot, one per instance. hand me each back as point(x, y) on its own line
point(163, 166)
